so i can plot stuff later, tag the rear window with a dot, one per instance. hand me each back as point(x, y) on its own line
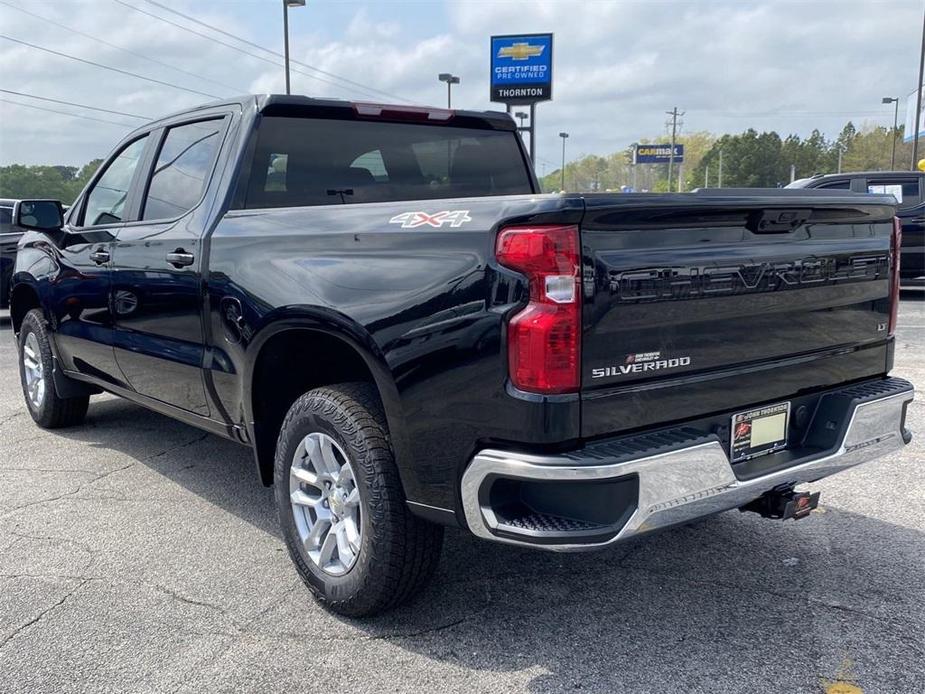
point(905, 190)
point(305, 161)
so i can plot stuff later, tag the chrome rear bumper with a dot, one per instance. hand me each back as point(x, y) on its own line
point(680, 485)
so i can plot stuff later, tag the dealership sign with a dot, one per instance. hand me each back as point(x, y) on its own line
point(521, 68)
point(657, 154)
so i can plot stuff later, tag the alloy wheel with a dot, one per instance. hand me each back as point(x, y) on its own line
point(326, 503)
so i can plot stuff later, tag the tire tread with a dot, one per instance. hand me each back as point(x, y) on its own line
point(409, 552)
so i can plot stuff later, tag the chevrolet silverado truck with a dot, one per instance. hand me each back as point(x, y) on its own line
point(382, 305)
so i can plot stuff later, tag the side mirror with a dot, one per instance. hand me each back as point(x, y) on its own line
point(43, 215)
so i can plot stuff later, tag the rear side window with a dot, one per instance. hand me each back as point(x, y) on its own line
point(106, 200)
point(844, 184)
point(182, 170)
point(305, 161)
point(6, 216)
point(905, 190)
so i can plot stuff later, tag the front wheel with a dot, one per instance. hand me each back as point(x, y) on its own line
point(35, 370)
point(341, 505)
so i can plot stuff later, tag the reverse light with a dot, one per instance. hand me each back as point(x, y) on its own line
point(544, 338)
point(895, 247)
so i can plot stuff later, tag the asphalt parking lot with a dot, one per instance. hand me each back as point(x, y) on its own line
point(138, 554)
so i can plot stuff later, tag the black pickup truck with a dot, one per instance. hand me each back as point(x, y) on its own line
point(381, 304)
point(908, 187)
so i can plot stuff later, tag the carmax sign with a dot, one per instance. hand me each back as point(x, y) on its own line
point(657, 154)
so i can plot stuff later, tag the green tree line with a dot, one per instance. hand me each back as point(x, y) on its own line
point(57, 182)
point(750, 159)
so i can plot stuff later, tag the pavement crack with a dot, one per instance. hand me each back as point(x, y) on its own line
point(41, 615)
point(189, 601)
point(72, 492)
point(11, 417)
point(176, 448)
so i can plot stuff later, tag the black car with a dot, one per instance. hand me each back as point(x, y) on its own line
point(908, 187)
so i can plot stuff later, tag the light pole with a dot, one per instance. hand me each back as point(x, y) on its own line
point(918, 102)
point(893, 100)
point(286, 5)
point(450, 81)
point(564, 137)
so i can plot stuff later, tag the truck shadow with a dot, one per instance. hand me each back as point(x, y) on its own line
point(702, 604)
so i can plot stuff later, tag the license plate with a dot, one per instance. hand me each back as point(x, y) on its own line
point(759, 431)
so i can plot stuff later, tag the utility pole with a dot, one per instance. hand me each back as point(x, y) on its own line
point(706, 177)
point(918, 100)
point(720, 183)
point(674, 113)
point(793, 172)
point(841, 151)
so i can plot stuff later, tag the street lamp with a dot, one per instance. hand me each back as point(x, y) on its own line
point(893, 100)
point(520, 115)
point(286, 5)
point(450, 81)
point(564, 137)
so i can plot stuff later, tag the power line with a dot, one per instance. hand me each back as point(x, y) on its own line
point(108, 67)
point(233, 47)
point(71, 103)
point(224, 43)
point(272, 52)
point(64, 113)
point(118, 48)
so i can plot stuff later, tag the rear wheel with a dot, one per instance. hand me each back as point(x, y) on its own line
point(341, 506)
point(35, 371)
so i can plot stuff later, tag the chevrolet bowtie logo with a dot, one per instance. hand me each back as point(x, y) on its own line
point(520, 51)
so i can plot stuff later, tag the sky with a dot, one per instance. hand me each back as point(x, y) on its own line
point(619, 66)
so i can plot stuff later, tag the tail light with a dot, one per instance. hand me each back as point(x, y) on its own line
point(544, 339)
point(895, 245)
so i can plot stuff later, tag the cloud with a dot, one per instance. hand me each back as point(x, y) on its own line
point(789, 66)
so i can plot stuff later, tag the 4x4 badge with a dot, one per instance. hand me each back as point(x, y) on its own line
point(410, 220)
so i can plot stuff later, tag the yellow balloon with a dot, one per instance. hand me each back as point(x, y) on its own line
point(921, 164)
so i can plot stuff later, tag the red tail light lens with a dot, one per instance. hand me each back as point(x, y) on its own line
point(544, 339)
point(895, 246)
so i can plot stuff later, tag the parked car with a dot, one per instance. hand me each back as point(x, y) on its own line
point(380, 302)
point(908, 187)
point(9, 237)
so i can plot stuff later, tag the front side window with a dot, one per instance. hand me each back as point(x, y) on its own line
point(182, 170)
point(106, 200)
point(313, 161)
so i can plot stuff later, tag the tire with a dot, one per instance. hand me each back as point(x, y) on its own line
point(35, 373)
point(396, 552)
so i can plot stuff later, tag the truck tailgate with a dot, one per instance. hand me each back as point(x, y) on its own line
point(704, 303)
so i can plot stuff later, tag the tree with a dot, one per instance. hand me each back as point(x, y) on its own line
point(57, 182)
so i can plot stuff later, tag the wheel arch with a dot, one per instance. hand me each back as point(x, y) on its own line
point(23, 298)
point(356, 357)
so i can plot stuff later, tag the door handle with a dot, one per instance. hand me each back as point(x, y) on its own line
point(180, 258)
point(100, 256)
